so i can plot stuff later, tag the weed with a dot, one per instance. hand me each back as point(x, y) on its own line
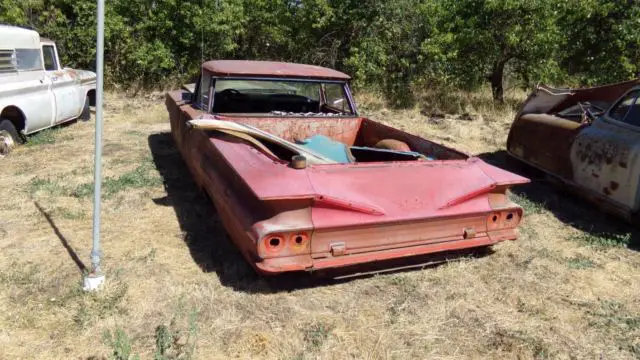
point(603, 240)
point(164, 340)
point(509, 340)
point(17, 277)
point(140, 177)
point(49, 186)
point(316, 334)
point(404, 282)
point(44, 137)
point(529, 206)
point(172, 343)
point(580, 263)
point(120, 343)
point(70, 214)
point(99, 305)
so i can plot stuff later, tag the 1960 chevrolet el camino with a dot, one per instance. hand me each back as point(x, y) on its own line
point(303, 183)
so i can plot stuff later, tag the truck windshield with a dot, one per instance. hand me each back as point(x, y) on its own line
point(280, 97)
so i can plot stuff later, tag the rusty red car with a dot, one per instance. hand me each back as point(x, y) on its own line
point(302, 182)
point(587, 140)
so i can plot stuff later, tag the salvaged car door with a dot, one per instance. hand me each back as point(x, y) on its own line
point(63, 86)
point(606, 155)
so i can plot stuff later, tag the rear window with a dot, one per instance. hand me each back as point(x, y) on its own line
point(280, 97)
point(20, 60)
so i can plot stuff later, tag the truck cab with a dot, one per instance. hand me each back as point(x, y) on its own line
point(36, 91)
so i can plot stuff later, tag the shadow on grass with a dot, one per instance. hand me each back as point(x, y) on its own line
point(213, 251)
point(599, 227)
point(72, 253)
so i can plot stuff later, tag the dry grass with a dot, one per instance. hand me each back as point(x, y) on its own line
point(176, 288)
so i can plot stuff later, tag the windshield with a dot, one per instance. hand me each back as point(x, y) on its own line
point(281, 97)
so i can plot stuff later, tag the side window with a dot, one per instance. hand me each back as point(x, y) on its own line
point(620, 110)
point(633, 116)
point(49, 56)
point(203, 92)
point(335, 97)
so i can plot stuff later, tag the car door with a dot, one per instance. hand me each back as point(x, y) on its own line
point(64, 86)
point(606, 155)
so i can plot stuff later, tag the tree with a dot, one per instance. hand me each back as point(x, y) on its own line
point(604, 41)
point(489, 35)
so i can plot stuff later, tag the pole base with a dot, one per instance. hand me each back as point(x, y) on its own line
point(92, 282)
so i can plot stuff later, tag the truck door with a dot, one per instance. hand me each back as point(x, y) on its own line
point(64, 86)
point(606, 155)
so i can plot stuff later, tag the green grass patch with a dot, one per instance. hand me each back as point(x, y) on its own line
point(580, 263)
point(316, 334)
point(49, 186)
point(529, 206)
point(143, 176)
point(603, 240)
point(44, 137)
point(70, 214)
point(120, 343)
point(100, 305)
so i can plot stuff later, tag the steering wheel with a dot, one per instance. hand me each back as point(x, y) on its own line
point(228, 92)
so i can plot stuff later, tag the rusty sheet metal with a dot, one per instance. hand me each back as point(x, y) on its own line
point(252, 68)
point(342, 129)
point(328, 216)
point(544, 140)
point(606, 159)
point(607, 93)
point(545, 99)
point(598, 160)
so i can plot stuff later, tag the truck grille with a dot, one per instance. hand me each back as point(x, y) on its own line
point(8, 61)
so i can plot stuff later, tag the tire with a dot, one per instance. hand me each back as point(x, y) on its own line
point(9, 137)
point(85, 115)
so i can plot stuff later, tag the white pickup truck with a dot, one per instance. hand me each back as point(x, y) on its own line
point(36, 92)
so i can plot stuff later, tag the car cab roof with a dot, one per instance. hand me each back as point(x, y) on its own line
point(271, 69)
point(13, 37)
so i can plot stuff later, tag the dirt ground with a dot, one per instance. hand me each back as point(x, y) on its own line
point(176, 287)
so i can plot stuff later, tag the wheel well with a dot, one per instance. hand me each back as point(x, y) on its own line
point(15, 115)
point(92, 97)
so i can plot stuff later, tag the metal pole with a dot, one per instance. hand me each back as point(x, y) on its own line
point(95, 278)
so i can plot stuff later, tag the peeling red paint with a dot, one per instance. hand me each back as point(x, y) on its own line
point(351, 213)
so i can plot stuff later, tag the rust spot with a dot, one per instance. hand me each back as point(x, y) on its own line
point(606, 191)
point(614, 186)
point(609, 160)
point(623, 164)
point(595, 175)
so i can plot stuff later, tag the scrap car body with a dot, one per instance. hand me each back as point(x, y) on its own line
point(36, 91)
point(301, 182)
point(589, 139)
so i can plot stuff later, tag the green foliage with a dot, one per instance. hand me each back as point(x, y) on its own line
point(580, 263)
point(604, 241)
point(47, 136)
point(141, 177)
point(392, 46)
point(49, 186)
point(316, 334)
point(120, 343)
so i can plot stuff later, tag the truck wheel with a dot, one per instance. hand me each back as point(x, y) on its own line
point(9, 137)
point(85, 115)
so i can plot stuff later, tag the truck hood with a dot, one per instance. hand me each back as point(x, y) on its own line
point(85, 76)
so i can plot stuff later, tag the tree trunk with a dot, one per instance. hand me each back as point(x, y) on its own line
point(497, 74)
